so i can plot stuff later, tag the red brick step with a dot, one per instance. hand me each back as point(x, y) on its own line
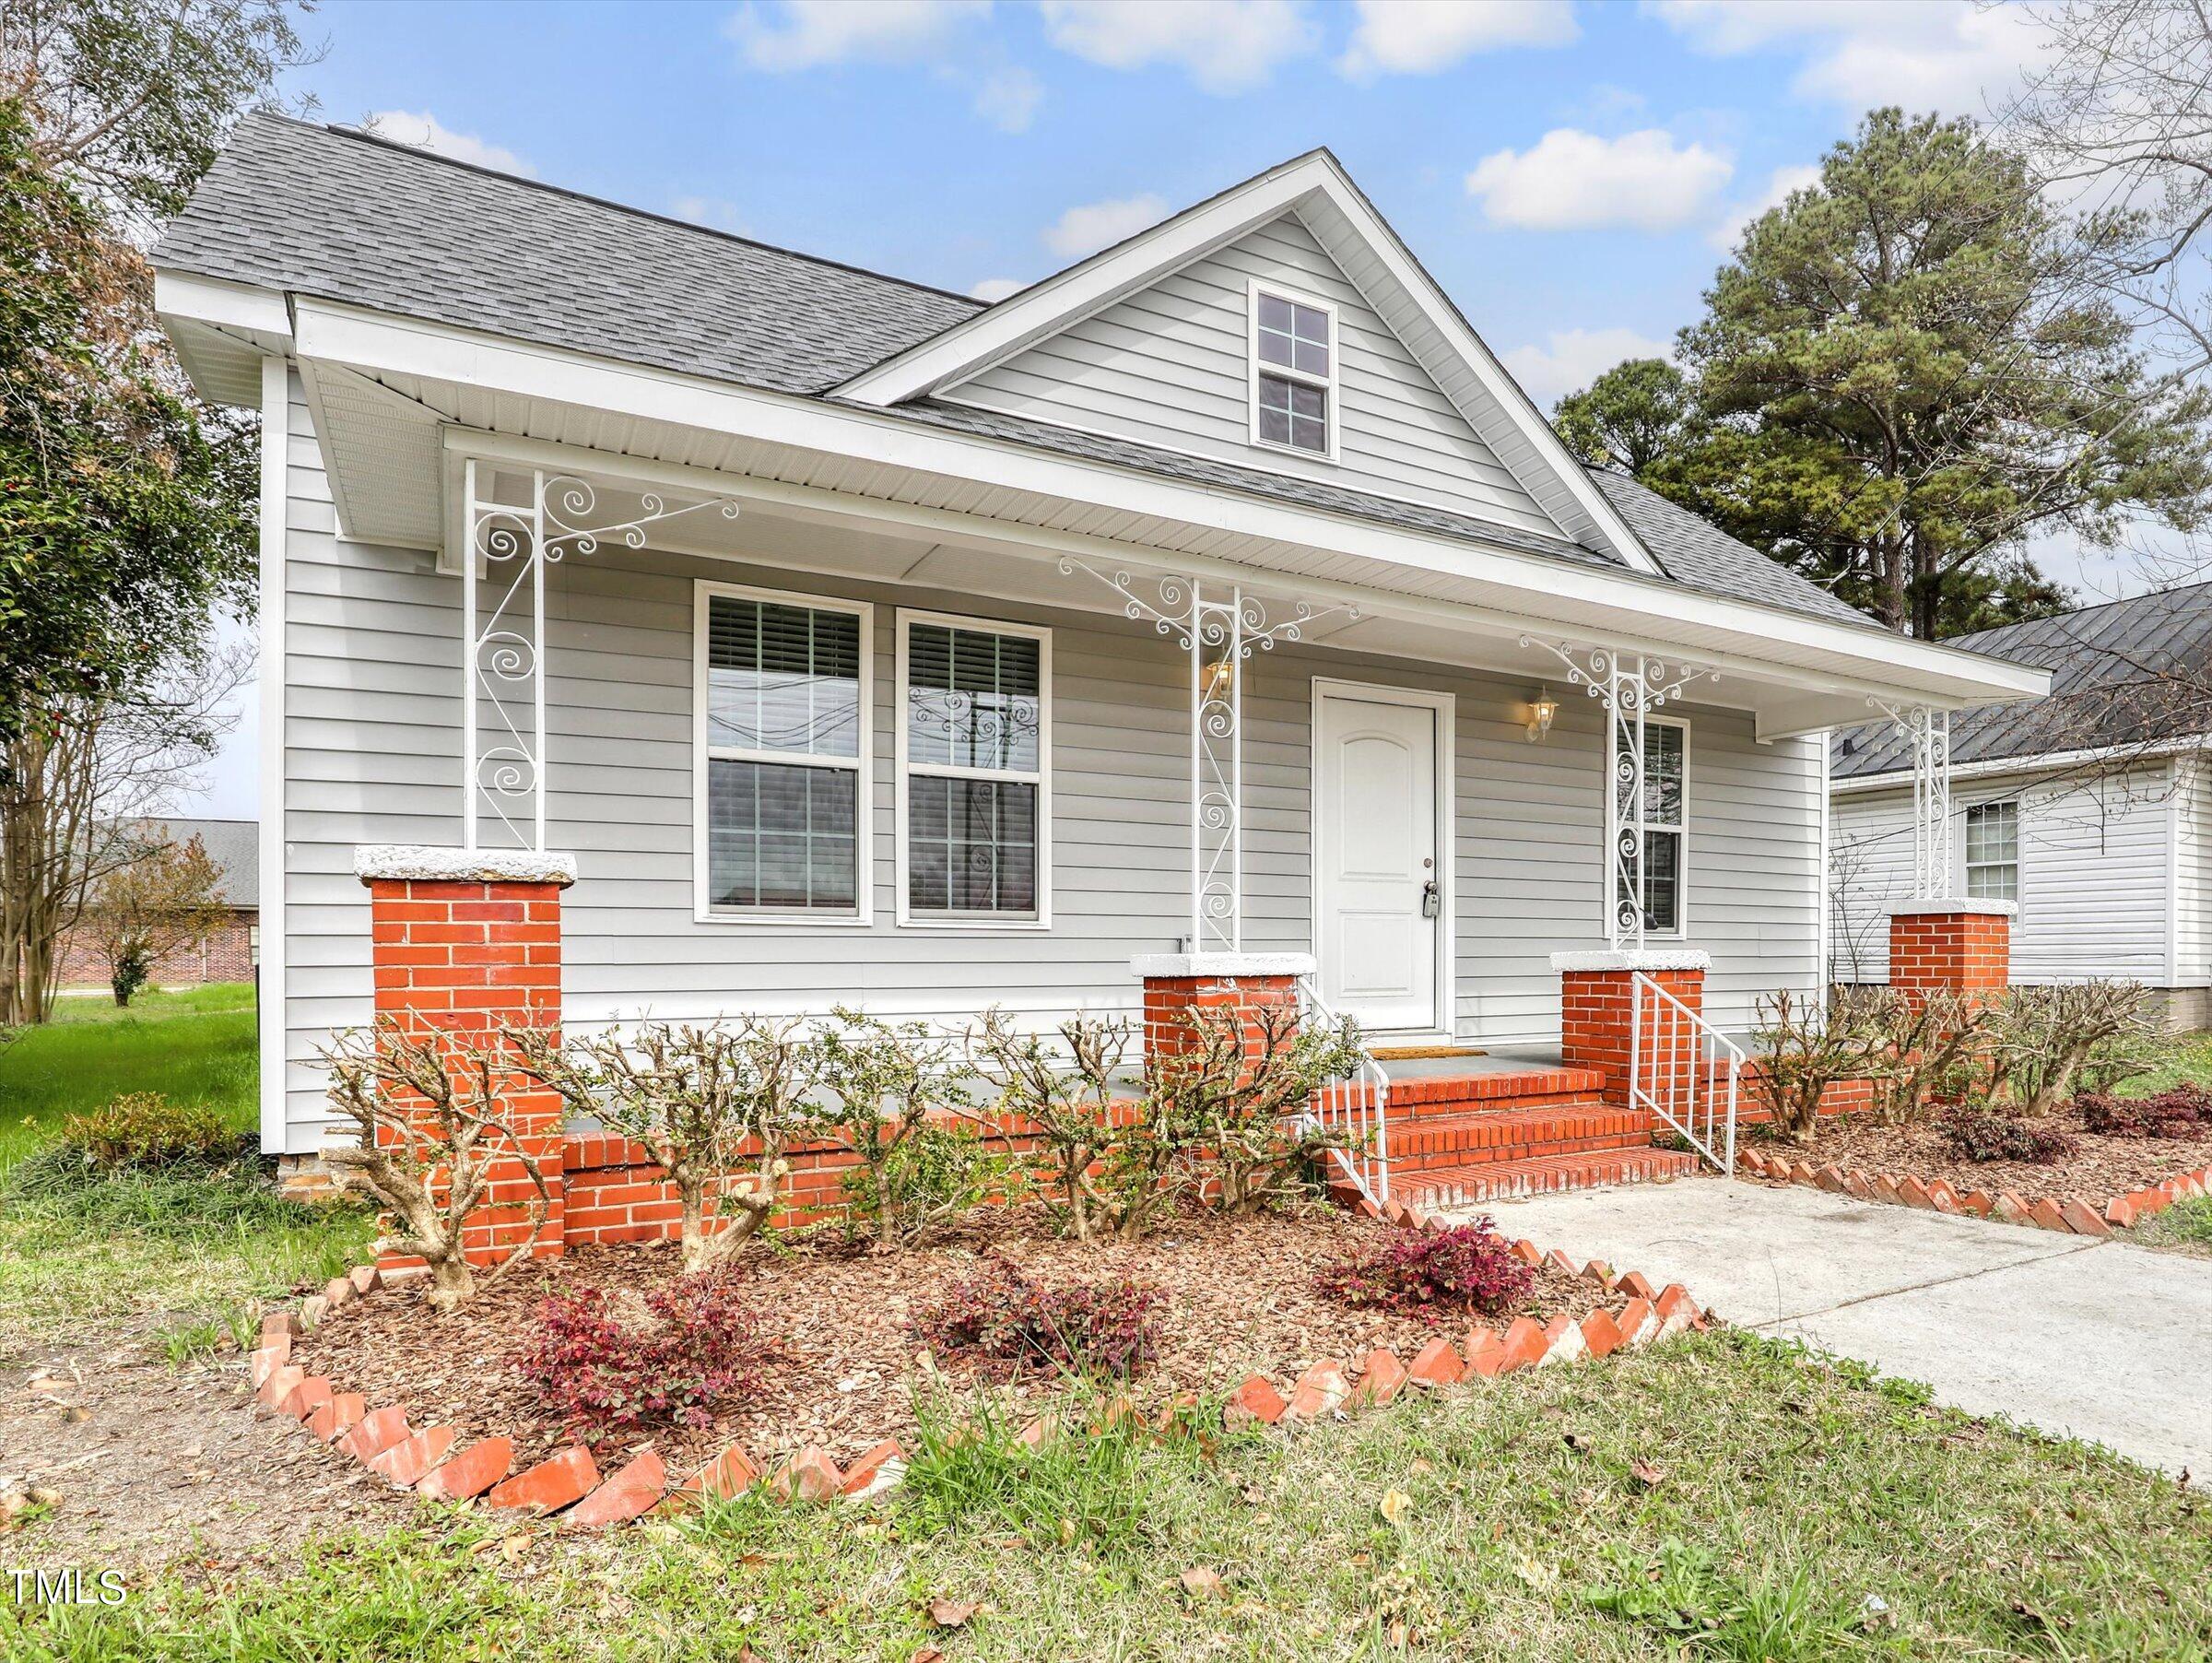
point(1453, 1186)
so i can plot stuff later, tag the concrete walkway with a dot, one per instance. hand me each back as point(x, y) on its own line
point(2091, 1339)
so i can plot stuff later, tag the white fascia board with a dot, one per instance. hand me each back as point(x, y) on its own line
point(241, 308)
point(2048, 762)
point(1646, 607)
point(990, 338)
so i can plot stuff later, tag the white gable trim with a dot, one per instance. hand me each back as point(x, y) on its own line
point(1354, 235)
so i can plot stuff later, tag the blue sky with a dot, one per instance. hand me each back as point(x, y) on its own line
point(1571, 172)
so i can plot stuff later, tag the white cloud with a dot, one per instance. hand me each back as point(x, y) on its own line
point(425, 131)
point(808, 34)
point(1095, 225)
point(997, 289)
point(1573, 180)
point(1224, 45)
point(1942, 54)
point(719, 212)
point(1572, 358)
point(1739, 215)
point(1008, 98)
point(1426, 36)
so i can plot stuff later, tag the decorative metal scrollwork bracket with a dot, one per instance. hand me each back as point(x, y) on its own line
point(1219, 634)
point(503, 629)
point(1928, 732)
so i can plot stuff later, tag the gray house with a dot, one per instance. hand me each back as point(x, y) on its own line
point(2089, 811)
point(1219, 605)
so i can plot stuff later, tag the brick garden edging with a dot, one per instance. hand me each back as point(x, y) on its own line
point(430, 1461)
point(2068, 1214)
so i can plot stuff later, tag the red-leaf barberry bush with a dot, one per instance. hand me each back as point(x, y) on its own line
point(1985, 1134)
point(603, 1376)
point(1432, 1275)
point(2183, 1110)
point(1008, 1322)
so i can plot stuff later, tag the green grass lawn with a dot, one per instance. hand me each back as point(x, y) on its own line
point(187, 1255)
point(1717, 1498)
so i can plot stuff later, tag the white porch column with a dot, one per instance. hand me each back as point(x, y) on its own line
point(1928, 732)
point(516, 522)
point(1631, 685)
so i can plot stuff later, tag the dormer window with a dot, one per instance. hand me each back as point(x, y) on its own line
point(1293, 373)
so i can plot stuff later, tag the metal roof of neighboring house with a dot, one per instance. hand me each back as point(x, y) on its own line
point(234, 844)
point(344, 216)
point(2128, 672)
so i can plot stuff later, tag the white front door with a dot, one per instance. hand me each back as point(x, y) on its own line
point(1380, 917)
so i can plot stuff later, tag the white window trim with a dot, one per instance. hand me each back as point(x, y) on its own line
point(1681, 929)
point(1965, 868)
point(1041, 779)
point(1331, 384)
point(703, 592)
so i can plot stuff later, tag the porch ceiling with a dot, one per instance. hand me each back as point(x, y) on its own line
point(398, 404)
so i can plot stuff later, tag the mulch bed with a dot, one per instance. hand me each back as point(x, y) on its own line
point(2100, 1167)
point(1240, 1299)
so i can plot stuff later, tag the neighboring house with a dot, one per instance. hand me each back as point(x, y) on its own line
point(2090, 811)
point(228, 955)
point(881, 680)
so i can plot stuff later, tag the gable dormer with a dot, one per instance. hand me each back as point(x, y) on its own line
point(1159, 340)
point(1264, 354)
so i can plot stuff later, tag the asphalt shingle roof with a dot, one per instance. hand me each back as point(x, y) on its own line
point(343, 215)
point(234, 846)
point(2127, 672)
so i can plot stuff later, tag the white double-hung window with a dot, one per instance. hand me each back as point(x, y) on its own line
point(782, 737)
point(1665, 825)
point(1992, 852)
point(974, 772)
point(1293, 350)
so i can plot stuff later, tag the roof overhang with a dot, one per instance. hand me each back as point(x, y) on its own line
point(2102, 758)
point(221, 332)
point(1368, 252)
point(399, 401)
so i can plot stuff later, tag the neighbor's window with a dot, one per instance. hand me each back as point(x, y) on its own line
point(1294, 373)
point(786, 693)
point(1992, 852)
point(1665, 824)
point(973, 761)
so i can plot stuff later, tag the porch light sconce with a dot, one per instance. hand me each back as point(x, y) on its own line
point(1220, 680)
point(1542, 710)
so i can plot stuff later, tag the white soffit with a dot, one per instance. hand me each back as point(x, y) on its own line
point(1372, 257)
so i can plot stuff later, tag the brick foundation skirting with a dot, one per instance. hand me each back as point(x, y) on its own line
point(2072, 1215)
point(431, 1461)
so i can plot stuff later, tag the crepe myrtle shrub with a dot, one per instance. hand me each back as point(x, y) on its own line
point(1924, 1048)
point(1063, 1086)
point(717, 1108)
point(604, 1377)
point(1976, 1131)
point(1432, 1275)
point(908, 1119)
point(1008, 1322)
point(426, 1109)
point(1233, 1112)
point(2183, 1111)
point(2044, 1039)
point(1804, 1050)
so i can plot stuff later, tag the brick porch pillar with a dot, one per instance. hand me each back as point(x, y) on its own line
point(1961, 945)
point(468, 941)
point(1175, 983)
point(1597, 1014)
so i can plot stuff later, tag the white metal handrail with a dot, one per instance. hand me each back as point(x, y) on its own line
point(1358, 1106)
point(1674, 1056)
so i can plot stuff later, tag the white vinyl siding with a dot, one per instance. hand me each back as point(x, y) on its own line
point(372, 754)
point(1172, 366)
point(2094, 869)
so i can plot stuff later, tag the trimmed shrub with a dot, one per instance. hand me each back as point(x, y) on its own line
point(1008, 1322)
point(603, 1377)
point(1432, 1275)
point(2183, 1110)
point(1976, 1134)
point(143, 1129)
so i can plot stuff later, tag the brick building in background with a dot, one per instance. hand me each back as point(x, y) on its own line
point(228, 955)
